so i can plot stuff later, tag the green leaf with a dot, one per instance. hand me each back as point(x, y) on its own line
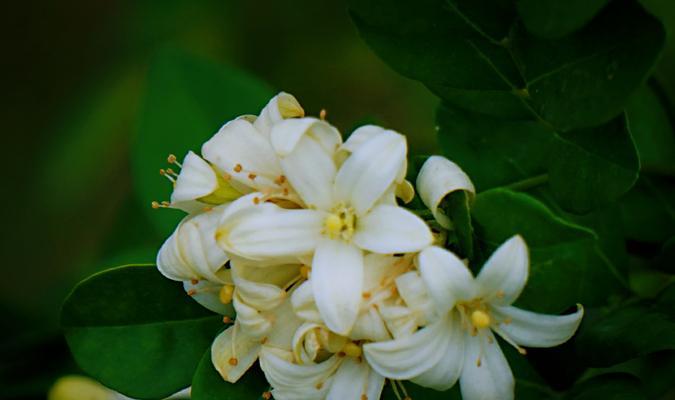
point(608, 387)
point(479, 58)
point(648, 210)
point(590, 167)
point(207, 384)
point(555, 19)
point(418, 392)
point(187, 100)
point(609, 337)
point(652, 131)
point(586, 168)
point(566, 265)
point(136, 331)
point(457, 206)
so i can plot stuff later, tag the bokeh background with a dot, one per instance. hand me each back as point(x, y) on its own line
point(74, 83)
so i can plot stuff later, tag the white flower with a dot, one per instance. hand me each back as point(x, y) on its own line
point(460, 343)
point(198, 185)
point(191, 252)
point(322, 365)
point(345, 214)
point(241, 150)
point(437, 178)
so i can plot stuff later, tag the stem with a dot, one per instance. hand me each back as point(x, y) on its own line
point(528, 183)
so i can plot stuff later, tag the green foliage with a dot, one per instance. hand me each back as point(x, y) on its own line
point(136, 331)
point(554, 19)
point(207, 383)
point(561, 253)
point(203, 96)
point(476, 55)
point(608, 337)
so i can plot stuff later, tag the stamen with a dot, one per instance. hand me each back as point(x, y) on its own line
point(319, 386)
point(156, 205)
point(251, 176)
point(366, 295)
point(480, 319)
point(226, 176)
point(194, 281)
point(395, 388)
point(191, 292)
point(166, 204)
point(171, 172)
point(171, 159)
point(233, 361)
point(267, 395)
point(322, 114)
point(280, 180)
point(352, 349)
point(165, 174)
point(238, 168)
point(364, 397)
point(405, 392)
point(227, 320)
point(225, 294)
point(256, 200)
point(508, 340)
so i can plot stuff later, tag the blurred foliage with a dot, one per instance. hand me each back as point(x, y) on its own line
point(76, 78)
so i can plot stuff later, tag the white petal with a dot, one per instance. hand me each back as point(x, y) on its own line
point(281, 373)
point(245, 351)
point(197, 244)
point(531, 329)
point(170, 261)
point(437, 178)
point(337, 283)
point(409, 356)
point(369, 326)
point(493, 378)
point(445, 373)
point(280, 107)
point(377, 267)
point(253, 323)
point(446, 277)
point(505, 273)
point(390, 229)
point(401, 321)
point(285, 325)
point(360, 136)
point(262, 296)
point(206, 294)
point(353, 380)
point(368, 172)
point(305, 342)
point(304, 304)
point(413, 291)
point(306, 148)
point(196, 179)
point(238, 149)
point(270, 231)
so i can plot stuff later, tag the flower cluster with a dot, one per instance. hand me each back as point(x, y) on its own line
point(335, 285)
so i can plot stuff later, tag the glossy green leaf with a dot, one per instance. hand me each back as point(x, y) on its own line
point(136, 331)
point(590, 167)
point(585, 168)
point(457, 206)
point(608, 387)
point(187, 100)
point(609, 337)
point(648, 210)
point(652, 131)
point(566, 265)
point(207, 384)
point(554, 19)
point(474, 54)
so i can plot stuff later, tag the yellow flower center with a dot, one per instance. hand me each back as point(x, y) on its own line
point(340, 223)
point(480, 319)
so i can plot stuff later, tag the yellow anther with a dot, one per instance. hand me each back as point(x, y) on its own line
point(233, 361)
point(333, 224)
point(191, 292)
point(267, 395)
point(256, 200)
point(304, 271)
point(155, 205)
point(225, 294)
point(352, 349)
point(322, 114)
point(227, 320)
point(480, 319)
point(319, 386)
point(252, 176)
point(194, 281)
point(238, 168)
point(171, 159)
point(364, 397)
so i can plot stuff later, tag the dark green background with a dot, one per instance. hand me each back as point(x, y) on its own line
point(73, 82)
